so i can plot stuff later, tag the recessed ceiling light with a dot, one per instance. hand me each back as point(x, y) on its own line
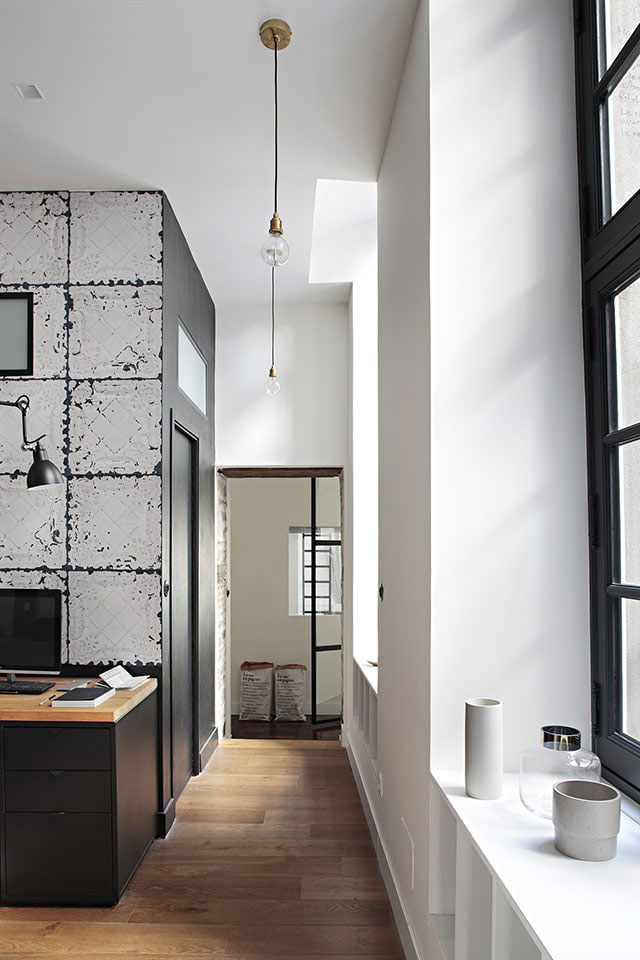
point(29, 91)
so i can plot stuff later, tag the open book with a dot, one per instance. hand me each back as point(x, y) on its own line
point(121, 679)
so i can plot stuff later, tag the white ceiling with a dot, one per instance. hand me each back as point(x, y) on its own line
point(177, 95)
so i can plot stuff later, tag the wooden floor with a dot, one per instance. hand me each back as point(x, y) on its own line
point(279, 730)
point(270, 857)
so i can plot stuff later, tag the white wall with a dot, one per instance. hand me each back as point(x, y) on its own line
point(510, 604)
point(345, 250)
point(306, 424)
point(403, 339)
point(260, 512)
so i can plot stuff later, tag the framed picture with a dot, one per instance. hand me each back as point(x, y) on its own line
point(16, 334)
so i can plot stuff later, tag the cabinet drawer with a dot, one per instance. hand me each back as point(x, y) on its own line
point(58, 856)
point(72, 791)
point(56, 748)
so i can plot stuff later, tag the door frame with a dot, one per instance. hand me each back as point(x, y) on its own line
point(290, 473)
point(177, 424)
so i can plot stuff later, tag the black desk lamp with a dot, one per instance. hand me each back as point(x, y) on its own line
point(42, 472)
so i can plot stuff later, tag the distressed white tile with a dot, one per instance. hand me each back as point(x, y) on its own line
point(116, 237)
point(115, 331)
point(115, 426)
point(46, 415)
point(33, 237)
point(33, 524)
point(114, 617)
point(45, 580)
point(115, 522)
point(49, 329)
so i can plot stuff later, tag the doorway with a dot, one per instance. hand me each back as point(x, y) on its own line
point(184, 580)
point(284, 580)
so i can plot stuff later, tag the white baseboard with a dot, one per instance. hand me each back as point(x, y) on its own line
point(411, 949)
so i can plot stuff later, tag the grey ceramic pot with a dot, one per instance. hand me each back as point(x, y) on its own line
point(586, 819)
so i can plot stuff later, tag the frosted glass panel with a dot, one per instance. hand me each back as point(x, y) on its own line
point(14, 335)
point(329, 683)
point(629, 484)
point(627, 340)
point(630, 659)
point(619, 19)
point(192, 371)
point(624, 138)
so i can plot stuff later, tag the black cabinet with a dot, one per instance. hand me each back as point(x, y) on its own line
point(78, 807)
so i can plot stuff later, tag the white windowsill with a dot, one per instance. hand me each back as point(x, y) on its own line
point(572, 909)
point(370, 673)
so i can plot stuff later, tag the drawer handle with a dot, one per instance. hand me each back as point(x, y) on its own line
point(58, 813)
point(56, 773)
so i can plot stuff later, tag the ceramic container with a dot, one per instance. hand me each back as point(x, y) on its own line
point(483, 748)
point(586, 819)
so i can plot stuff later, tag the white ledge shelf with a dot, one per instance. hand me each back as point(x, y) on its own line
point(365, 707)
point(499, 890)
point(370, 673)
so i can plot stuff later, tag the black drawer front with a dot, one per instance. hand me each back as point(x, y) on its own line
point(72, 791)
point(56, 748)
point(58, 856)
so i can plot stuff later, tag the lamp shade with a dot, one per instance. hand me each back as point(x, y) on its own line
point(43, 472)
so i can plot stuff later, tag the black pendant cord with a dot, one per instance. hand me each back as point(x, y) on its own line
point(273, 317)
point(275, 123)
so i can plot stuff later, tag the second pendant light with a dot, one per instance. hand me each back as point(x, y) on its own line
point(275, 35)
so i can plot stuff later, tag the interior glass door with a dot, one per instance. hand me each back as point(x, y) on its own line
point(323, 582)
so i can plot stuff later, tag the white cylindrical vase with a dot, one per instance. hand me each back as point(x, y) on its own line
point(483, 748)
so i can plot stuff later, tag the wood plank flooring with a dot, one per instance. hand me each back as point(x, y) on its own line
point(269, 859)
point(279, 730)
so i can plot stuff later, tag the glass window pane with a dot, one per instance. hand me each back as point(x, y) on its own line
point(627, 359)
point(329, 683)
point(629, 481)
point(620, 19)
point(14, 334)
point(623, 120)
point(630, 637)
point(192, 371)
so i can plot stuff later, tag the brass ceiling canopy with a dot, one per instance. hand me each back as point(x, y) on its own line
point(272, 30)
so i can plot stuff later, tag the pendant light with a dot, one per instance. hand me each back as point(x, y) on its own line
point(272, 386)
point(275, 35)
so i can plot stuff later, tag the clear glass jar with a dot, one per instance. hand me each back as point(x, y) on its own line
point(558, 757)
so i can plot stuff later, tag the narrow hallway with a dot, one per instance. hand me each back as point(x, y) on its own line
point(270, 856)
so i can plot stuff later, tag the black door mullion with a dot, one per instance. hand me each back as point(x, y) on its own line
point(314, 634)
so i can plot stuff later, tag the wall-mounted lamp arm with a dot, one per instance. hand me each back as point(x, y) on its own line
point(42, 472)
point(22, 403)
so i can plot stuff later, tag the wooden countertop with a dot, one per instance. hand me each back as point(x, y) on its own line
point(27, 708)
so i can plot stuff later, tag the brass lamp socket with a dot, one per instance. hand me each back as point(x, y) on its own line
point(275, 30)
point(276, 224)
point(272, 373)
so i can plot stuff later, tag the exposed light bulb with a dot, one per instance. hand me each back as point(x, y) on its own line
point(275, 250)
point(272, 386)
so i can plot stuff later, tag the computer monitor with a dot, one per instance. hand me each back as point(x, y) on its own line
point(30, 631)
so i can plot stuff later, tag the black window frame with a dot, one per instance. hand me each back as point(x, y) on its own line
point(610, 261)
point(28, 297)
point(309, 566)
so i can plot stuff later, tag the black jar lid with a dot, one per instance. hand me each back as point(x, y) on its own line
point(555, 737)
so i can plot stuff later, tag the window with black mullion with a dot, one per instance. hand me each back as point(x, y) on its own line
point(612, 300)
point(607, 81)
point(608, 113)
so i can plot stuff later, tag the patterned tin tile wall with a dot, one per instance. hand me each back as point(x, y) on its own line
point(94, 264)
